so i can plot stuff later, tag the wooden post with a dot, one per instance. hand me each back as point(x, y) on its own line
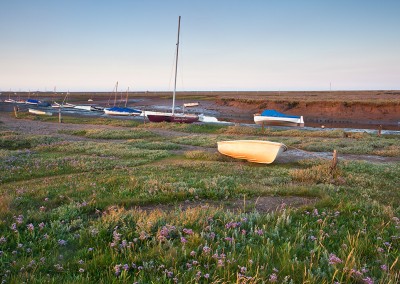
point(380, 130)
point(334, 161)
point(59, 116)
point(16, 111)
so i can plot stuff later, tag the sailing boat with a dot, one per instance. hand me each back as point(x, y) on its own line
point(125, 111)
point(64, 104)
point(9, 100)
point(173, 117)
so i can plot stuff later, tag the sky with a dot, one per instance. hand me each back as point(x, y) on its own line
point(225, 45)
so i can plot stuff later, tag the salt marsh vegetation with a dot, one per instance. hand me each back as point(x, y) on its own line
point(93, 210)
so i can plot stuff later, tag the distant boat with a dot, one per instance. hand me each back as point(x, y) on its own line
point(32, 102)
point(255, 151)
point(273, 117)
point(125, 111)
point(172, 117)
point(64, 104)
point(190, 104)
point(9, 100)
point(89, 107)
point(39, 112)
point(43, 104)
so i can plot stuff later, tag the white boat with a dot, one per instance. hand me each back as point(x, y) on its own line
point(40, 112)
point(9, 101)
point(190, 104)
point(84, 107)
point(273, 117)
point(255, 151)
point(173, 117)
point(64, 104)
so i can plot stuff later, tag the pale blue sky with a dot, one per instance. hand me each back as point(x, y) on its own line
point(225, 45)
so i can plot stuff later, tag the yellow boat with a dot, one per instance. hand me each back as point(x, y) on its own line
point(255, 151)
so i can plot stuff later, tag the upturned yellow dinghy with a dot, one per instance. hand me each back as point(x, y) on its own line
point(255, 151)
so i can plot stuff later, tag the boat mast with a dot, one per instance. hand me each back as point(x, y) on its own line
point(176, 66)
point(126, 100)
point(116, 91)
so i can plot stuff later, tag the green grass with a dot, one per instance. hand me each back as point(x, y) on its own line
point(70, 211)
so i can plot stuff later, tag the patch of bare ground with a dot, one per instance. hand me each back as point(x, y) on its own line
point(262, 204)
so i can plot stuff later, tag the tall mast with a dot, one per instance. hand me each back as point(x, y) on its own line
point(127, 92)
point(176, 66)
point(116, 91)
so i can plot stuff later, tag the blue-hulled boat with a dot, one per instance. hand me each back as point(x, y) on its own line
point(125, 111)
point(273, 117)
point(32, 102)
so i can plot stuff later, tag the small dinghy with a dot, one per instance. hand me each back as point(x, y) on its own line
point(40, 112)
point(255, 151)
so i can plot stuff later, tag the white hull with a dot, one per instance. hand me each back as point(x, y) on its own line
point(110, 112)
point(255, 151)
point(67, 105)
point(9, 101)
point(190, 104)
point(284, 121)
point(83, 107)
point(40, 112)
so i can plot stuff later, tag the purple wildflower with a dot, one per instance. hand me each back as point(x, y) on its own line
point(273, 278)
point(368, 280)
point(188, 231)
point(30, 227)
point(333, 259)
point(206, 249)
point(62, 242)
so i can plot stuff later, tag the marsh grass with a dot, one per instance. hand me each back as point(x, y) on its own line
point(68, 211)
point(110, 134)
point(81, 120)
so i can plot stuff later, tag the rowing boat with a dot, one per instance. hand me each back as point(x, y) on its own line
point(255, 151)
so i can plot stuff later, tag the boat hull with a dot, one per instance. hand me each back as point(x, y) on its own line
point(120, 113)
point(255, 151)
point(39, 112)
point(177, 118)
point(279, 121)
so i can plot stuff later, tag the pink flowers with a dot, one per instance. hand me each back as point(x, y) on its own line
point(206, 250)
point(232, 225)
point(30, 227)
point(188, 231)
point(333, 259)
point(273, 278)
